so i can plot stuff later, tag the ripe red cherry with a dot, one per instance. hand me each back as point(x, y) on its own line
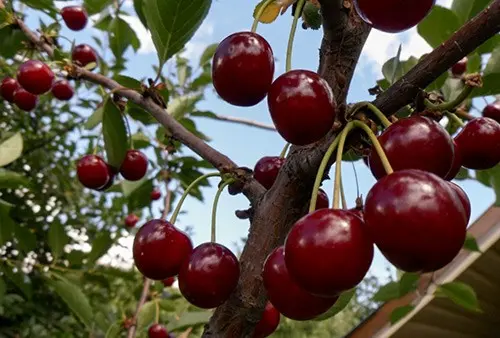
point(266, 170)
point(456, 165)
point(287, 297)
point(302, 106)
point(35, 76)
point(323, 201)
point(358, 213)
point(75, 17)
point(131, 220)
point(112, 177)
point(134, 165)
point(479, 143)
point(168, 282)
point(157, 331)
point(243, 69)
point(155, 194)
point(62, 90)
point(492, 111)
point(416, 142)
point(416, 220)
point(25, 100)
point(159, 249)
point(463, 198)
point(83, 54)
point(93, 172)
point(8, 87)
point(333, 235)
point(209, 276)
point(268, 323)
point(393, 16)
point(460, 67)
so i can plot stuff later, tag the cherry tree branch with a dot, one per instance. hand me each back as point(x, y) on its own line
point(246, 122)
point(252, 189)
point(144, 295)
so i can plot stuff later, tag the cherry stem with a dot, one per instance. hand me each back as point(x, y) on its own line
point(321, 172)
point(216, 202)
point(130, 140)
point(382, 118)
point(186, 192)
point(259, 14)
point(338, 165)
point(455, 119)
point(376, 144)
point(342, 194)
point(298, 11)
point(285, 150)
point(452, 104)
point(157, 314)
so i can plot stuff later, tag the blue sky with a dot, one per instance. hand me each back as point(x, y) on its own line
point(246, 145)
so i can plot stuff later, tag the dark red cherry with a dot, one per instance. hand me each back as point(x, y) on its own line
point(287, 297)
point(416, 142)
point(243, 69)
point(209, 276)
point(302, 106)
point(323, 201)
point(358, 212)
point(463, 198)
point(155, 194)
point(316, 249)
point(159, 249)
point(268, 323)
point(266, 170)
point(93, 172)
point(112, 177)
point(492, 111)
point(25, 100)
point(83, 54)
point(479, 143)
point(8, 87)
point(460, 67)
point(456, 165)
point(134, 165)
point(157, 331)
point(416, 220)
point(75, 17)
point(35, 76)
point(168, 282)
point(393, 16)
point(62, 90)
point(131, 220)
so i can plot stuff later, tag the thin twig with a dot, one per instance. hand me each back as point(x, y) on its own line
point(243, 121)
point(142, 300)
point(168, 197)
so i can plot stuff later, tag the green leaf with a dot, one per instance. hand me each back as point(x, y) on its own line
point(438, 26)
point(20, 280)
point(96, 118)
point(189, 319)
point(127, 81)
point(11, 149)
point(140, 197)
point(312, 16)
point(47, 5)
point(387, 292)
point(57, 238)
point(400, 312)
point(114, 330)
point(394, 69)
point(340, 304)
point(26, 238)
point(173, 23)
point(96, 6)
point(208, 54)
point(146, 315)
point(408, 283)
point(13, 40)
point(140, 141)
point(167, 305)
point(139, 114)
point(467, 9)
point(76, 300)
point(7, 225)
point(452, 88)
point(11, 179)
point(128, 187)
point(461, 294)
point(121, 36)
point(183, 105)
point(471, 244)
point(100, 246)
point(3, 289)
point(115, 134)
point(463, 174)
point(396, 64)
point(140, 13)
point(491, 76)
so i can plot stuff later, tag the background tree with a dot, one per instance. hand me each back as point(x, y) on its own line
point(48, 222)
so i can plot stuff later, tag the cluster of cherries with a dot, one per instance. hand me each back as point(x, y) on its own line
point(35, 78)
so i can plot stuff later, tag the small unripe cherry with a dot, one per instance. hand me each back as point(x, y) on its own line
point(131, 220)
point(155, 194)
